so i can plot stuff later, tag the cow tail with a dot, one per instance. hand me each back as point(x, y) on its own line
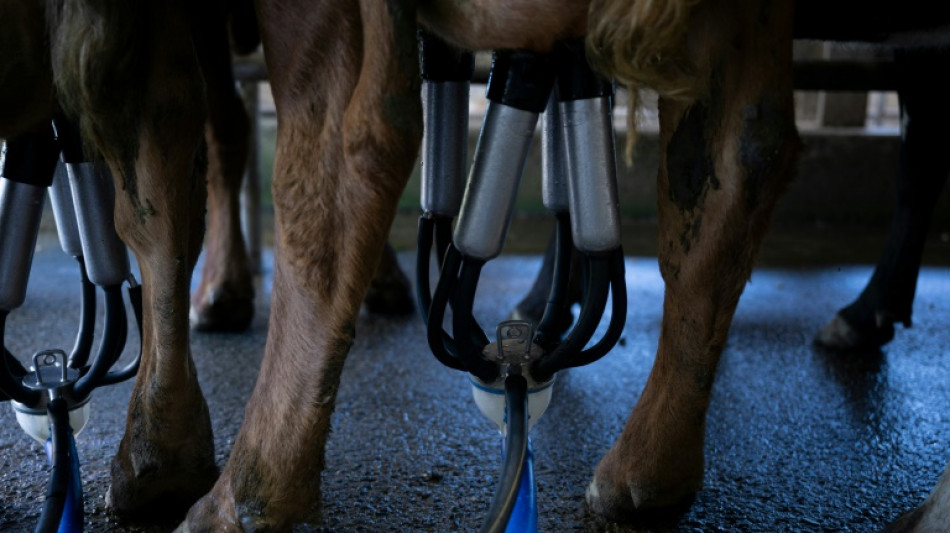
point(642, 44)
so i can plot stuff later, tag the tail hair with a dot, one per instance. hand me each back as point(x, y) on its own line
point(642, 44)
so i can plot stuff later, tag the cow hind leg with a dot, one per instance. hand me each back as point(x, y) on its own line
point(167, 451)
point(224, 299)
point(141, 105)
point(346, 81)
point(868, 322)
point(725, 158)
point(390, 292)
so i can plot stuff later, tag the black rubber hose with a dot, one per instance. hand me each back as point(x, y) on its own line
point(439, 61)
point(563, 248)
point(423, 250)
point(61, 472)
point(468, 285)
point(442, 228)
point(618, 316)
point(516, 450)
point(442, 346)
point(109, 348)
point(79, 356)
point(470, 340)
point(135, 298)
point(31, 157)
point(585, 275)
point(12, 372)
point(443, 237)
point(595, 300)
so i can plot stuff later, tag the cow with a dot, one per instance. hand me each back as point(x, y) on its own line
point(868, 321)
point(345, 80)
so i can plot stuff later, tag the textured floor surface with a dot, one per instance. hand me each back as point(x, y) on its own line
point(798, 439)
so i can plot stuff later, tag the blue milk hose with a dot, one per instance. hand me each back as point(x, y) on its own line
point(524, 516)
point(72, 517)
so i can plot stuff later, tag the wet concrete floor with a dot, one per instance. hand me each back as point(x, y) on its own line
point(798, 439)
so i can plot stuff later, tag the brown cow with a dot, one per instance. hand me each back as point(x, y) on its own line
point(223, 300)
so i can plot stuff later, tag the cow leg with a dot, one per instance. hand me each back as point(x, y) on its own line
point(932, 516)
point(141, 103)
point(166, 455)
point(868, 322)
point(167, 451)
point(390, 292)
point(224, 300)
point(726, 156)
point(346, 83)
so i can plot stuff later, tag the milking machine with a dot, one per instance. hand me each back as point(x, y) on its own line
point(512, 376)
point(51, 397)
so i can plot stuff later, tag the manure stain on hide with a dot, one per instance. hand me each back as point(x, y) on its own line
point(691, 233)
point(144, 209)
point(691, 171)
point(689, 166)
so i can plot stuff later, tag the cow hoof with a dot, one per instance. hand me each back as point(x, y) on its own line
point(220, 514)
point(208, 515)
point(157, 492)
point(838, 334)
point(642, 505)
point(390, 296)
point(645, 490)
point(222, 310)
point(162, 474)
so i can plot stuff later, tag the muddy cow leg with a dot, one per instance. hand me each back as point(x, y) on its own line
point(224, 300)
point(167, 451)
point(868, 322)
point(141, 103)
point(346, 84)
point(726, 156)
point(166, 455)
